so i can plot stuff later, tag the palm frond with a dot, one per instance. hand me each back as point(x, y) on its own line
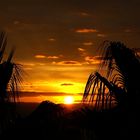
point(10, 74)
point(120, 80)
point(3, 43)
point(96, 91)
point(15, 82)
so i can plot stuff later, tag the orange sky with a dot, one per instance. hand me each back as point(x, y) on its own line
point(67, 78)
point(55, 99)
point(57, 41)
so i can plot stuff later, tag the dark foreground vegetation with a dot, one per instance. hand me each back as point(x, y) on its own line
point(109, 109)
point(51, 121)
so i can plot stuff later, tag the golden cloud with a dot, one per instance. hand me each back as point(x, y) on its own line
point(40, 56)
point(52, 57)
point(101, 35)
point(67, 63)
point(48, 57)
point(94, 59)
point(81, 50)
point(86, 30)
point(99, 57)
point(88, 43)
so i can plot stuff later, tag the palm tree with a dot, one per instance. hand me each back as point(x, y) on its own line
point(118, 83)
point(10, 78)
point(10, 74)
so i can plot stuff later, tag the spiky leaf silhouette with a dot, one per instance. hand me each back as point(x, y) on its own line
point(10, 74)
point(120, 83)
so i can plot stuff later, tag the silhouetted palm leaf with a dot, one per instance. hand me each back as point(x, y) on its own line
point(120, 84)
point(10, 74)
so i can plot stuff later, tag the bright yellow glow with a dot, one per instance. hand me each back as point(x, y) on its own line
point(59, 78)
point(56, 99)
point(68, 100)
point(65, 86)
point(66, 79)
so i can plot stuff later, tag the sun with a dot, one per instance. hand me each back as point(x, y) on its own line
point(68, 100)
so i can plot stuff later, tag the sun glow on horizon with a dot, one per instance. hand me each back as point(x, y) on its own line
point(69, 100)
point(68, 86)
point(58, 99)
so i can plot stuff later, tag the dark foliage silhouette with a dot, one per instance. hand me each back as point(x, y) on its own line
point(113, 93)
point(10, 74)
point(119, 85)
point(10, 78)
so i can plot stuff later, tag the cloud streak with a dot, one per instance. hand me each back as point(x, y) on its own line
point(39, 56)
point(67, 63)
point(94, 59)
point(53, 57)
point(67, 84)
point(88, 43)
point(86, 30)
point(102, 35)
point(82, 51)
